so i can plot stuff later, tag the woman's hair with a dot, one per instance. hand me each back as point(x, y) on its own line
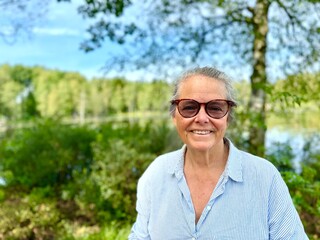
point(209, 72)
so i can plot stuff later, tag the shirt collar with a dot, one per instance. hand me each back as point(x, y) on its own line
point(233, 168)
point(176, 166)
point(234, 163)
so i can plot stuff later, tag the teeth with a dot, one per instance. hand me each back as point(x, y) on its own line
point(201, 132)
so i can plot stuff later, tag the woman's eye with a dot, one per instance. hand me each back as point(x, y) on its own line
point(215, 108)
point(189, 107)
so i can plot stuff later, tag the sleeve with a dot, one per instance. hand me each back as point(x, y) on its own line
point(284, 221)
point(139, 230)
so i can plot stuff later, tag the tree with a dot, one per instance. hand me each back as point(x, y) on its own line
point(266, 38)
point(23, 76)
point(9, 90)
point(58, 93)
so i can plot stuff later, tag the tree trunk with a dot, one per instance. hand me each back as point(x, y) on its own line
point(258, 79)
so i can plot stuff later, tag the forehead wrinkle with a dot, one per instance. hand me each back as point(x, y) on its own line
point(202, 88)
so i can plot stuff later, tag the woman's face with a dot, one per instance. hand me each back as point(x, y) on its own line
point(201, 132)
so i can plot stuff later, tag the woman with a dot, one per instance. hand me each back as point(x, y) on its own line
point(209, 189)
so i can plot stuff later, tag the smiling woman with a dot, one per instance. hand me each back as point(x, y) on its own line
point(194, 192)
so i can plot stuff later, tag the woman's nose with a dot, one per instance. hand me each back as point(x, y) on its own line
point(202, 115)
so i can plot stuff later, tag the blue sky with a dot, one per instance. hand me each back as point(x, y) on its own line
point(54, 43)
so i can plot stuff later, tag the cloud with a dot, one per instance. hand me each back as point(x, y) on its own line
point(56, 31)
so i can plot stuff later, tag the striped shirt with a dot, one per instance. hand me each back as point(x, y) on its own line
point(250, 202)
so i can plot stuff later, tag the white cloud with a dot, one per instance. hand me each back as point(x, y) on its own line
point(56, 31)
point(6, 30)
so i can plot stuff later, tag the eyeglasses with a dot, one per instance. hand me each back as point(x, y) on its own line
point(217, 108)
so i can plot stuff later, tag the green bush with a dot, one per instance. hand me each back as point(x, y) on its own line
point(45, 154)
point(29, 217)
point(121, 154)
point(305, 193)
point(305, 185)
point(75, 183)
point(281, 155)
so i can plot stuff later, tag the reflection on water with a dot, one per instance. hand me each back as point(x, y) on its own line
point(296, 141)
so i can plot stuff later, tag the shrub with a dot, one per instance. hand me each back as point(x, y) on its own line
point(305, 186)
point(45, 154)
point(29, 217)
point(121, 154)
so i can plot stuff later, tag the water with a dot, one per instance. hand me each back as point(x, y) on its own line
point(296, 141)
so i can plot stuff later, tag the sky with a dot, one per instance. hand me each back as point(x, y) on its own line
point(54, 43)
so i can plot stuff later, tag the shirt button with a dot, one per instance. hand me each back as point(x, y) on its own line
point(193, 238)
point(209, 208)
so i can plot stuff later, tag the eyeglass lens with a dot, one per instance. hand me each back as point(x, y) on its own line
point(215, 109)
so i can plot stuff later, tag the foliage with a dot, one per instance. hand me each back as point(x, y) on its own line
point(35, 216)
point(281, 156)
point(21, 74)
point(304, 186)
point(119, 187)
point(29, 108)
point(305, 192)
point(216, 28)
point(9, 90)
point(29, 217)
point(72, 98)
point(33, 92)
point(259, 36)
point(97, 201)
point(92, 193)
point(85, 176)
point(121, 154)
point(45, 154)
point(311, 154)
point(58, 93)
point(294, 91)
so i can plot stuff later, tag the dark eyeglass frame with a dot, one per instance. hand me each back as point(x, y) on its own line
point(199, 104)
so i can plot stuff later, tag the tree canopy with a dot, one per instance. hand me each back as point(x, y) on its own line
point(265, 38)
point(221, 33)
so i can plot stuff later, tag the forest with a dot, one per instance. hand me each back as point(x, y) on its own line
point(73, 149)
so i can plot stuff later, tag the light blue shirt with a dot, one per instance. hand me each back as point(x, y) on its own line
point(250, 202)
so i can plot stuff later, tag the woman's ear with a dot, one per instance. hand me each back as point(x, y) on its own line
point(174, 120)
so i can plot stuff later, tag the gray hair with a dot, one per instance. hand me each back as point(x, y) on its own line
point(210, 72)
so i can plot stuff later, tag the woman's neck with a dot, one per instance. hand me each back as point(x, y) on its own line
point(214, 158)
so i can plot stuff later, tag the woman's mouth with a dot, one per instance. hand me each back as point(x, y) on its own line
point(201, 132)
